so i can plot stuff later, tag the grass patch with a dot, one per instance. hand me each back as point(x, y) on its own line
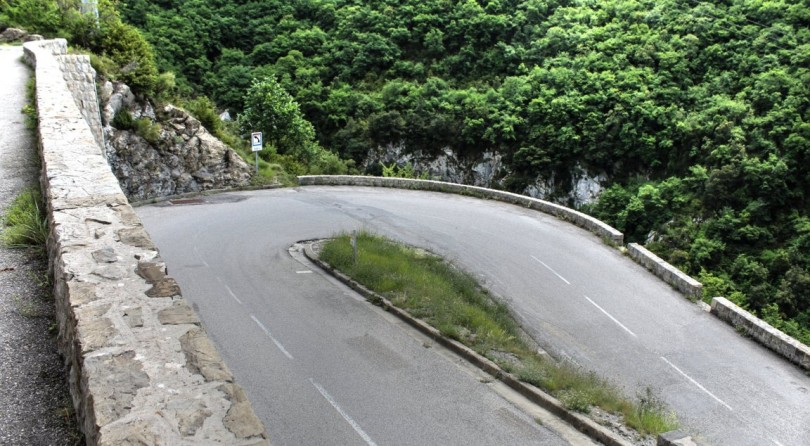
point(26, 307)
point(24, 222)
point(30, 109)
point(452, 301)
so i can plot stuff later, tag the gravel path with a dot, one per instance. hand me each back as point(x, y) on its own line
point(35, 406)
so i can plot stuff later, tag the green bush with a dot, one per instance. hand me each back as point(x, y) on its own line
point(123, 120)
point(148, 130)
point(125, 45)
point(25, 221)
point(37, 16)
point(203, 109)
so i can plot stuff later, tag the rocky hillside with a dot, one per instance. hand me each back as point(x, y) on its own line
point(163, 152)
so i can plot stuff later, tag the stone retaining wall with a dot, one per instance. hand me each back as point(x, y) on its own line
point(141, 368)
point(668, 273)
point(762, 332)
point(578, 218)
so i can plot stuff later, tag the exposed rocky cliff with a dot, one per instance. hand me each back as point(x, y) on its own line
point(581, 187)
point(164, 152)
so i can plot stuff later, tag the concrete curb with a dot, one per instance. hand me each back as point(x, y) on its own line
point(676, 438)
point(578, 421)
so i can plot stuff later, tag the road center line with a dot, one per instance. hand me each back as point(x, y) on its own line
point(269, 335)
point(228, 289)
point(552, 270)
point(611, 317)
point(697, 384)
point(343, 414)
point(200, 257)
point(304, 272)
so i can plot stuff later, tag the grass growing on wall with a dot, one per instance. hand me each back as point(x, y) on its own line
point(452, 301)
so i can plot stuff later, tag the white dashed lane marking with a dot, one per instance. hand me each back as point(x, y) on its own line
point(343, 414)
point(611, 317)
point(552, 270)
point(270, 335)
point(697, 384)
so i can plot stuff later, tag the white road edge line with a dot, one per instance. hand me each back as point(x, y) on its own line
point(227, 288)
point(343, 414)
point(776, 442)
point(269, 335)
point(611, 317)
point(697, 384)
point(550, 269)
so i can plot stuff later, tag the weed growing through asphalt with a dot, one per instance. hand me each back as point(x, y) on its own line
point(452, 301)
point(25, 225)
point(25, 307)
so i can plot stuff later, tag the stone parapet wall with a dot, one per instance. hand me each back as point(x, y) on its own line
point(668, 273)
point(81, 80)
point(578, 218)
point(141, 368)
point(762, 332)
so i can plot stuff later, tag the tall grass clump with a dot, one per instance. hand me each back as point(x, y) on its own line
point(454, 303)
point(24, 223)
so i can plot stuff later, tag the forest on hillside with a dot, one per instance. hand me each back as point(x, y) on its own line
point(697, 112)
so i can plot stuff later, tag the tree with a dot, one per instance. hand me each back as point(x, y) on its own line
point(271, 110)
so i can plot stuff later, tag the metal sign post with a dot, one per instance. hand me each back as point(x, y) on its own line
point(256, 146)
point(354, 245)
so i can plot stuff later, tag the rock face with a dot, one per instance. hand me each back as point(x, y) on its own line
point(181, 156)
point(16, 35)
point(582, 188)
point(447, 166)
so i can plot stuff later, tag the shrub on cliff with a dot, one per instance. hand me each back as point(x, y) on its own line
point(41, 16)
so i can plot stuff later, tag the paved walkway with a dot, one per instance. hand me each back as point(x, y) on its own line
point(35, 407)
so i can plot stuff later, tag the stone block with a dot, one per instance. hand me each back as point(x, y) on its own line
point(202, 357)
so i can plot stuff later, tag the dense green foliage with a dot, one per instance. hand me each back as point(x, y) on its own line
point(696, 111)
point(123, 53)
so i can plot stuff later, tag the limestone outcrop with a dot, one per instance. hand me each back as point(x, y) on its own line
point(487, 170)
point(168, 152)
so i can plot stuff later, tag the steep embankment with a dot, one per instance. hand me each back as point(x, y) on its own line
point(163, 152)
point(691, 119)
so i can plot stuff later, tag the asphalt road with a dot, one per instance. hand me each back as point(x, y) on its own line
point(296, 343)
